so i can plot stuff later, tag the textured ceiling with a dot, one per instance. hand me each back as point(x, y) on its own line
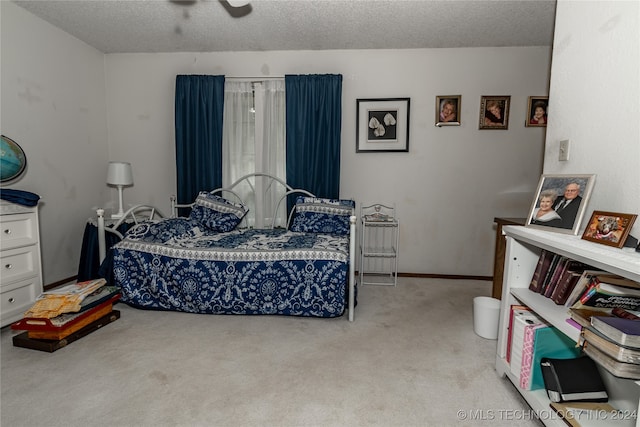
point(115, 26)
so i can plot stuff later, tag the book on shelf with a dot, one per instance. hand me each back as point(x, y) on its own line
point(615, 367)
point(546, 281)
point(555, 276)
point(528, 344)
point(568, 279)
point(582, 316)
point(550, 342)
point(619, 352)
point(540, 272)
point(521, 320)
point(600, 294)
point(514, 310)
point(572, 379)
point(580, 287)
point(620, 330)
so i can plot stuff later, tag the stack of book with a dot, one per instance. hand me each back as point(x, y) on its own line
point(52, 331)
point(574, 284)
point(531, 339)
point(614, 342)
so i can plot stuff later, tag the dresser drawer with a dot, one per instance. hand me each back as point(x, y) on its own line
point(15, 302)
point(18, 230)
point(18, 264)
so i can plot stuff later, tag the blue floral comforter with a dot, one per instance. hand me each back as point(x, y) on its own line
point(176, 264)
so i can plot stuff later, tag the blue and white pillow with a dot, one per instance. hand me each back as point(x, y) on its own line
point(217, 213)
point(319, 215)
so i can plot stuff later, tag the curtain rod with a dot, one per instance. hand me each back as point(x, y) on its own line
point(254, 78)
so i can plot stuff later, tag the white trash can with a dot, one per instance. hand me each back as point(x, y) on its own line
point(486, 316)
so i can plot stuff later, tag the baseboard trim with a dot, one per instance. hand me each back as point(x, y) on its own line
point(60, 282)
point(419, 275)
point(443, 276)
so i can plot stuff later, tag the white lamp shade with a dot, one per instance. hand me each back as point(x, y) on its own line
point(119, 173)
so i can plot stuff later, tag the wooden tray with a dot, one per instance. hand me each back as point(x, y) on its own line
point(23, 340)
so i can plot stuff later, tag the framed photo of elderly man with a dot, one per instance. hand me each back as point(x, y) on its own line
point(560, 202)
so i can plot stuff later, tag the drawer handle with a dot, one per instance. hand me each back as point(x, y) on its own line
point(7, 231)
point(8, 266)
point(11, 300)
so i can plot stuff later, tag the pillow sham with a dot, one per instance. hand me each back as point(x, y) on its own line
point(217, 213)
point(320, 215)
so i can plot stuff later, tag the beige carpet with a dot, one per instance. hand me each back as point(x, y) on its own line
point(411, 358)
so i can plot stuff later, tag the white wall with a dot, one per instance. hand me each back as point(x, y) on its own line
point(447, 189)
point(595, 100)
point(53, 105)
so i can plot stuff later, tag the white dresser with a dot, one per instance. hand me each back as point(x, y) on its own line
point(20, 265)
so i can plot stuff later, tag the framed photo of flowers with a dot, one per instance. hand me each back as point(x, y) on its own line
point(382, 125)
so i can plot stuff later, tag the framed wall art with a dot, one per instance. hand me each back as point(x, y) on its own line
point(560, 202)
point(448, 110)
point(609, 228)
point(382, 125)
point(494, 112)
point(537, 109)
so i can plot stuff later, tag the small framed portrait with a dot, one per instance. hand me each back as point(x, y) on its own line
point(448, 110)
point(609, 228)
point(560, 202)
point(537, 111)
point(494, 112)
point(382, 124)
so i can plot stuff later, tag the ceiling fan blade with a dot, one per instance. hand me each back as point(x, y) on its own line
point(236, 8)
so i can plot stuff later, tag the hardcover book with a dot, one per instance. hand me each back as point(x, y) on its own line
point(550, 342)
point(619, 352)
point(615, 367)
point(620, 330)
point(575, 379)
point(569, 278)
point(540, 272)
point(609, 296)
point(580, 287)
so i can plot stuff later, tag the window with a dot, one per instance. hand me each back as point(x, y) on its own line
point(254, 141)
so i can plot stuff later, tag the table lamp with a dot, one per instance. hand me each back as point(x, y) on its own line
point(119, 175)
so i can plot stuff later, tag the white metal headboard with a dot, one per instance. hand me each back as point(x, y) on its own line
point(266, 188)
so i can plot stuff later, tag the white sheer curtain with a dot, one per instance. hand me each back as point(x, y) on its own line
point(254, 141)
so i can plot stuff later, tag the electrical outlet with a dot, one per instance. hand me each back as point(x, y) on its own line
point(564, 150)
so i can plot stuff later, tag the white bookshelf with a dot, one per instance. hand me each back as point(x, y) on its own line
point(524, 246)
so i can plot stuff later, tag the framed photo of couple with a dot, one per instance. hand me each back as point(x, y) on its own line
point(560, 202)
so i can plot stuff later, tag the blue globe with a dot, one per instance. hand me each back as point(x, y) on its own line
point(12, 159)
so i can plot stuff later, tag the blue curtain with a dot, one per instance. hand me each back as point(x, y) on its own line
point(314, 124)
point(198, 126)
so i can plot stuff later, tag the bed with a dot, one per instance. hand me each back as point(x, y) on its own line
point(213, 262)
